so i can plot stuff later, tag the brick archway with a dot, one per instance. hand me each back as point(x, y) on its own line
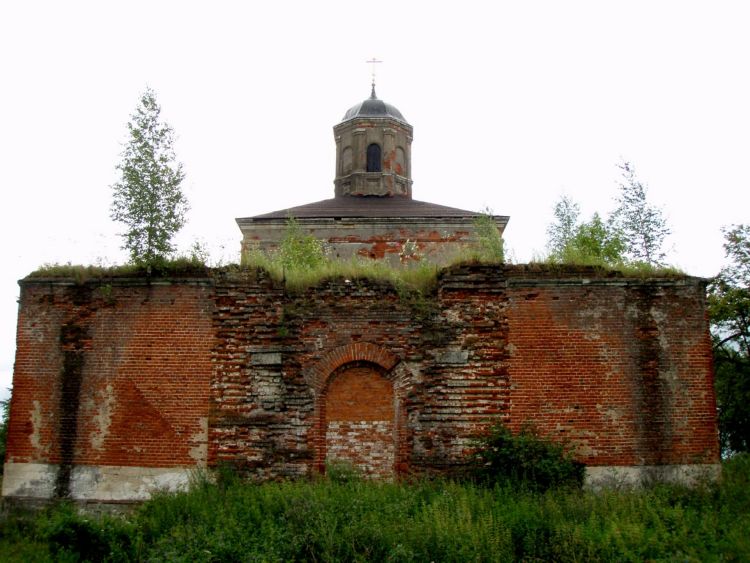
point(359, 416)
point(317, 376)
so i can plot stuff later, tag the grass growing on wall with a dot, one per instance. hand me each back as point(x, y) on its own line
point(356, 520)
point(181, 266)
point(419, 276)
point(635, 269)
point(298, 274)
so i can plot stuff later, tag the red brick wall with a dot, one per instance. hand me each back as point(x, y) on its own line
point(128, 373)
point(114, 374)
point(622, 371)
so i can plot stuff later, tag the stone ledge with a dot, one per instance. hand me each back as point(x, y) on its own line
point(636, 476)
point(96, 483)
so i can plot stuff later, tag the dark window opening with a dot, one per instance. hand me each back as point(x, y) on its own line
point(373, 158)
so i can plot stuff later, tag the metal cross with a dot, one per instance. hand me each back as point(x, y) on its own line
point(373, 61)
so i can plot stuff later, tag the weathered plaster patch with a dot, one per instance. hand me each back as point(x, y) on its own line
point(33, 480)
point(199, 452)
point(37, 423)
point(101, 483)
point(103, 418)
point(114, 483)
point(628, 477)
point(453, 356)
point(613, 414)
point(266, 359)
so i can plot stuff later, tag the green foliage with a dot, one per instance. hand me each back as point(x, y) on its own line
point(644, 270)
point(81, 273)
point(632, 236)
point(561, 231)
point(61, 533)
point(729, 309)
point(525, 459)
point(732, 384)
point(148, 198)
point(300, 262)
point(77, 537)
point(342, 471)
point(299, 251)
point(490, 242)
point(591, 243)
point(737, 248)
point(199, 253)
point(360, 520)
point(4, 418)
point(641, 226)
point(594, 242)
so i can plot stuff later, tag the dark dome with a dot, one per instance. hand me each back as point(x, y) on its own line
point(373, 107)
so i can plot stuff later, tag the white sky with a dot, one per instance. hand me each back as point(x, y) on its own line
point(512, 103)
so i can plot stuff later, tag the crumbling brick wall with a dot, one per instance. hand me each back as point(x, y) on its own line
point(621, 368)
point(111, 374)
point(233, 368)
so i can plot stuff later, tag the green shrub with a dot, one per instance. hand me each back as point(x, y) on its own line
point(71, 536)
point(525, 458)
point(299, 251)
point(490, 241)
point(342, 471)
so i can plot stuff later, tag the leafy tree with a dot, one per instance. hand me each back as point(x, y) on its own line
point(299, 251)
point(729, 308)
point(591, 242)
point(490, 241)
point(642, 226)
point(148, 198)
point(594, 242)
point(562, 230)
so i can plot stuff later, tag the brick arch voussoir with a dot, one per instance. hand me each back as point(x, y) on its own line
point(317, 376)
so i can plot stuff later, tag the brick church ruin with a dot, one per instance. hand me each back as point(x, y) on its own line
point(372, 213)
point(124, 386)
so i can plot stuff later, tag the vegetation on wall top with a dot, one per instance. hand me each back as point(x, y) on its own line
point(631, 237)
point(176, 267)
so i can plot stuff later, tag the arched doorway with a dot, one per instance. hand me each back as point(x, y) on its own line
point(358, 419)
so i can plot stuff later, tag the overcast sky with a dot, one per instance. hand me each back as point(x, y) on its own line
point(512, 103)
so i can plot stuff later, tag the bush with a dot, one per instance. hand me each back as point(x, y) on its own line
point(525, 458)
point(299, 251)
point(72, 536)
point(490, 241)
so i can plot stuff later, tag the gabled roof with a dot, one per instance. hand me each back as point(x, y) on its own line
point(366, 207)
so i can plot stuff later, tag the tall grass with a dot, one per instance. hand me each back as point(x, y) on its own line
point(355, 520)
point(421, 276)
point(573, 256)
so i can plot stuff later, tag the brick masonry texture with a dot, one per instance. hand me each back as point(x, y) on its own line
point(234, 369)
point(358, 420)
point(111, 374)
